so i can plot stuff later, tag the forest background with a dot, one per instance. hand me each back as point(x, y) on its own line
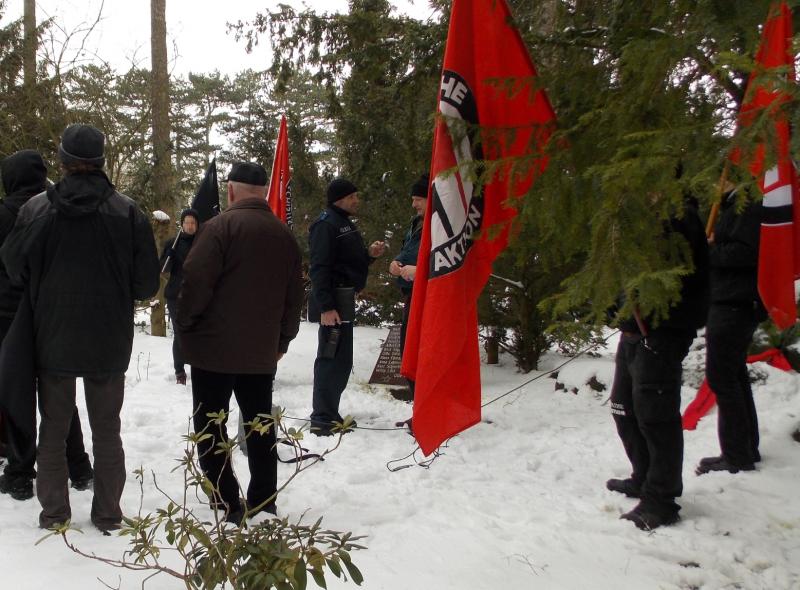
point(646, 96)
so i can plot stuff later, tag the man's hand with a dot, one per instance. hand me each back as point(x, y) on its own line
point(330, 318)
point(408, 272)
point(395, 268)
point(377, 249)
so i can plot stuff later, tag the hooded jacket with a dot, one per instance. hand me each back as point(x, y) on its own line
point(86, 253)
point(24, 175)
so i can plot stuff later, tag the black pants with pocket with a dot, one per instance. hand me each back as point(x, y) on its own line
point(646, 403)
point(331, 376)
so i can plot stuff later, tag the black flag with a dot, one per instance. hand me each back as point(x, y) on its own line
point(206, 200)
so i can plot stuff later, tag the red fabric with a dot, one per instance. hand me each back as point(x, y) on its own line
point(279, 196)
point(779, 254)
point(705, 398)
point(488, 79)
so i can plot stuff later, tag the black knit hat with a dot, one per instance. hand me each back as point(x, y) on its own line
point(420, 187)
point(339, 188)
point(24, 173)
point(82, 144)
point(190, 213)
point(248, 173)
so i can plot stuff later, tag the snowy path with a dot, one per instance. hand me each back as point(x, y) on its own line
point(518, 502)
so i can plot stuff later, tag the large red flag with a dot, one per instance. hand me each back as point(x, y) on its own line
point(779, 254)
point(488, 93)
point(280, 184)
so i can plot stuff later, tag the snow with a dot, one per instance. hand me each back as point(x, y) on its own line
point(516, 502)
point(159, 215)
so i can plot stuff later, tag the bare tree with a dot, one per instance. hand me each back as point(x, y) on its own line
point(162, 149)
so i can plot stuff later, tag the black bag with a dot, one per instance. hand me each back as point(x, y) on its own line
point(345, 299)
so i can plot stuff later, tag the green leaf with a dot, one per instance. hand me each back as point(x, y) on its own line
point(300, 576)
point(319, 578)
point(354, 572)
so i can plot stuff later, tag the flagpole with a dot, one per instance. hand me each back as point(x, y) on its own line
point(714, 213)
point(166, 262)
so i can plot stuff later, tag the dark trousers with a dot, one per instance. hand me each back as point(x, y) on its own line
point(20, 439)
point(728, 335)
point(331, 376)
point(177, 353)
point(211, 393)
point(104, 396)
point(645, 403)
point(404, 329)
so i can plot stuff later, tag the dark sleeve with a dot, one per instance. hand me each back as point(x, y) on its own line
point(201, 272)
point(146, 269)
point(290, 322)
point(740, 248)
point(321, 241)
point(17, 247)
point(162, 260)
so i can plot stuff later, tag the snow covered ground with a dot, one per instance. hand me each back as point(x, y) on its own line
point(517, 502)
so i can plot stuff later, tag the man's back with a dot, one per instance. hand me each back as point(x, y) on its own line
point(240, 300)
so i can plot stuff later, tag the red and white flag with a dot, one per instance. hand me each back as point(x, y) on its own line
point(779, 252)
point(488, 92)
point(279, 196)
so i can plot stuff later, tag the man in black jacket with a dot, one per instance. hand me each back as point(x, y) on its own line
point(736, 310)
point(339, 259)
point(85, 253)
point(25, 175)
point(646, 393)
point(173, 255)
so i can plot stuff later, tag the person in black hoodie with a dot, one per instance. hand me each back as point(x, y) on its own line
point(339, 259)
point(24, 175)
point(735, 312)
point(85, 253)
point(173, 255)
point(646, 392)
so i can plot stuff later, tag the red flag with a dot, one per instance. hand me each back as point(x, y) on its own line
point(280, 191)
point(488, 83)
point(779, 254)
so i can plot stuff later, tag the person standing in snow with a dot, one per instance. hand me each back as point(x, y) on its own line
point(24, 176)
point(86, 253)
point(646, 392)
point(735, 312)
point(238, 310)
point(338, 269)
point(173, 255)
point(404, 266)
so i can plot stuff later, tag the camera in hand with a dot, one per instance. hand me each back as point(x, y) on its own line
point(332, 343)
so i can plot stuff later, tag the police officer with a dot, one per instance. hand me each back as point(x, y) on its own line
point(404, 266)
point(646, 393)
point(339, 263)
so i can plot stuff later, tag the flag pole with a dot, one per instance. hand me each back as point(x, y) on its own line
point(166, 262)
point(714, 213)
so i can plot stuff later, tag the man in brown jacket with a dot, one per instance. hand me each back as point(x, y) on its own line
point(238, 309)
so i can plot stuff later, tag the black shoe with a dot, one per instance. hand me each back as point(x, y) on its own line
point(236, 516)
point(647, 521)
point(710, 464)
point(107, 527)
point(18, 487)
point(718, 458)
point(83, 481)
point(625, 486)
point(180, 378)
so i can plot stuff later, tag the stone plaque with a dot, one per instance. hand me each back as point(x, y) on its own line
point(387, 368)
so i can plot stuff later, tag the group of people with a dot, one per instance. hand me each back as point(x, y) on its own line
point(721, 294)
point(77, 254)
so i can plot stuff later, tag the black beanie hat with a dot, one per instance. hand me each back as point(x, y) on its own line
point(190, 213)
point(248, 173)
point(339, 188)
point(420, 187)
point(24, 173)
point(82, 144)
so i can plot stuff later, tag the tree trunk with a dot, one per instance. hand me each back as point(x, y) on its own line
point(492, 347)
point(29, 45)
point(162, 164)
